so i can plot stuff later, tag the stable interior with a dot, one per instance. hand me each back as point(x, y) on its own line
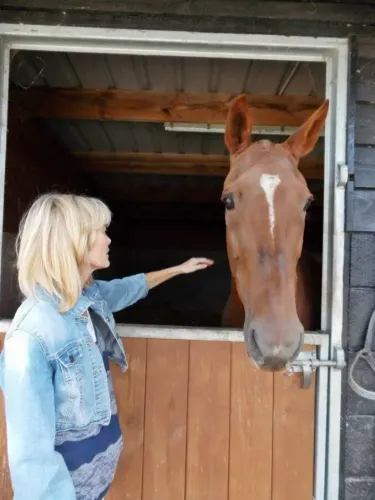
point(145, 134)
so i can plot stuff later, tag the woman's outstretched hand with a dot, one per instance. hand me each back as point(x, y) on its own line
point(194, 264)
point(155, 278)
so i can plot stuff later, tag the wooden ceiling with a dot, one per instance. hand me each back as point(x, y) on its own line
point(79, 107)
point(174, 107)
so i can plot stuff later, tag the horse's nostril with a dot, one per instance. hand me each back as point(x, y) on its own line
point(253, 347)
point(249, 334)
point(252, 339)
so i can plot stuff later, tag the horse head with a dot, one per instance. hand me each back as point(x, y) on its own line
point(266, 198)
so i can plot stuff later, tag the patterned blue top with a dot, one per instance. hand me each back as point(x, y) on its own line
point(92, 458)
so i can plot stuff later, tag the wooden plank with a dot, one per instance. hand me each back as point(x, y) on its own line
point(360, 308)
point(293, 439)
point(364, 167)
point(362, 251)
point(130, 393)
point(366, 46)
point(208, 421)
point(153, 163)
point(360, 209)
point(348, 11)
point(166, 420)
point(153, 106)
point(31, 150)
point(250, 467)
point(365, 79)
point(287, 26)
point(6, 489)
point(365, 124)
point(312, 167)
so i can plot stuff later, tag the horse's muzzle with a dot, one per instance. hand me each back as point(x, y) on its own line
point(273, 352)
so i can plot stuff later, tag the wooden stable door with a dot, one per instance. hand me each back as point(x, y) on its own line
point(201, 423)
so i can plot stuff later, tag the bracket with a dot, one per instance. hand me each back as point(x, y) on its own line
point(307, 363)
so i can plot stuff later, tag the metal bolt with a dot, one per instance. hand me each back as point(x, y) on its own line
point(289, 371)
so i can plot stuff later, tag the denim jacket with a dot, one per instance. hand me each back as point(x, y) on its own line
point(54, 381)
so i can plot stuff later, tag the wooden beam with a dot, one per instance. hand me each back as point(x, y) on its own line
point(152, 106)
point(348, 11)
point(175, 164)
point(31, 150)
point(153, 163)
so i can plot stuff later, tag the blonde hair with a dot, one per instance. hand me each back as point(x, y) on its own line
point(54, 237)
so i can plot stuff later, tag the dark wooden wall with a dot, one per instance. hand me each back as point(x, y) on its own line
point(359, 414)
point(316, 18)
point(35, 164)
point(296, 17)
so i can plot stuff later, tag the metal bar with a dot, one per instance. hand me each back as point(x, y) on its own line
point(100, 36)
point(186, 333)
point(4, 91)
point(337, 89)
point(219, 128)
point(316, 363)
point(321, 409)
point(190, 333)
point(288, 79)
point(182, 44)
point(170, 50)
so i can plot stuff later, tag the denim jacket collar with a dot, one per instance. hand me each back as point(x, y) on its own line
point(88, 297)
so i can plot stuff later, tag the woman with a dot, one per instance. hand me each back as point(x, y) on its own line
point(63, 433)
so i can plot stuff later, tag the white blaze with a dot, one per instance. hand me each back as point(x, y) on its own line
point(269, 184)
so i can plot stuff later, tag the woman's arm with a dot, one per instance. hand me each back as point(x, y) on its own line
point(121, 293)
point(155, 278)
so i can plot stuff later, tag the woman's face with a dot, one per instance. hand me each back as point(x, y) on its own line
point(98, 252)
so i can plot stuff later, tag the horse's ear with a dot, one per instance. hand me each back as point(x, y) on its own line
point(238, 124)
point(304, 139)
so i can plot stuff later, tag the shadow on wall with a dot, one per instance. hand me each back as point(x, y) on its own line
point(190, 300)
point(196, 299)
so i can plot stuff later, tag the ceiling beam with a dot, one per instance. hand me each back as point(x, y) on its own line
point(312, 167)
point(152, 106)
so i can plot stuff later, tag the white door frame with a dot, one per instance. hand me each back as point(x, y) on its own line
point(333, 52)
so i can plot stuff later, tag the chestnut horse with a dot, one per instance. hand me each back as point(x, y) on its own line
point(266, 198)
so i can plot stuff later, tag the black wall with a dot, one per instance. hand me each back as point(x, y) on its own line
point(317, 18)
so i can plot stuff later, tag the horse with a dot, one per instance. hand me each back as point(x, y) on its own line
point(266, 198)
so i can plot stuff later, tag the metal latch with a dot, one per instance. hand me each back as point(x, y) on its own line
point(342, 175)
point(307, 363)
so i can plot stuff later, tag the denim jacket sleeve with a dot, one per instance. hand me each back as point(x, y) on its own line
point(37, 470)
point(121, 293)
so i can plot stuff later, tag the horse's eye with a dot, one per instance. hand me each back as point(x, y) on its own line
point(308, 203)
point(228, 202)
